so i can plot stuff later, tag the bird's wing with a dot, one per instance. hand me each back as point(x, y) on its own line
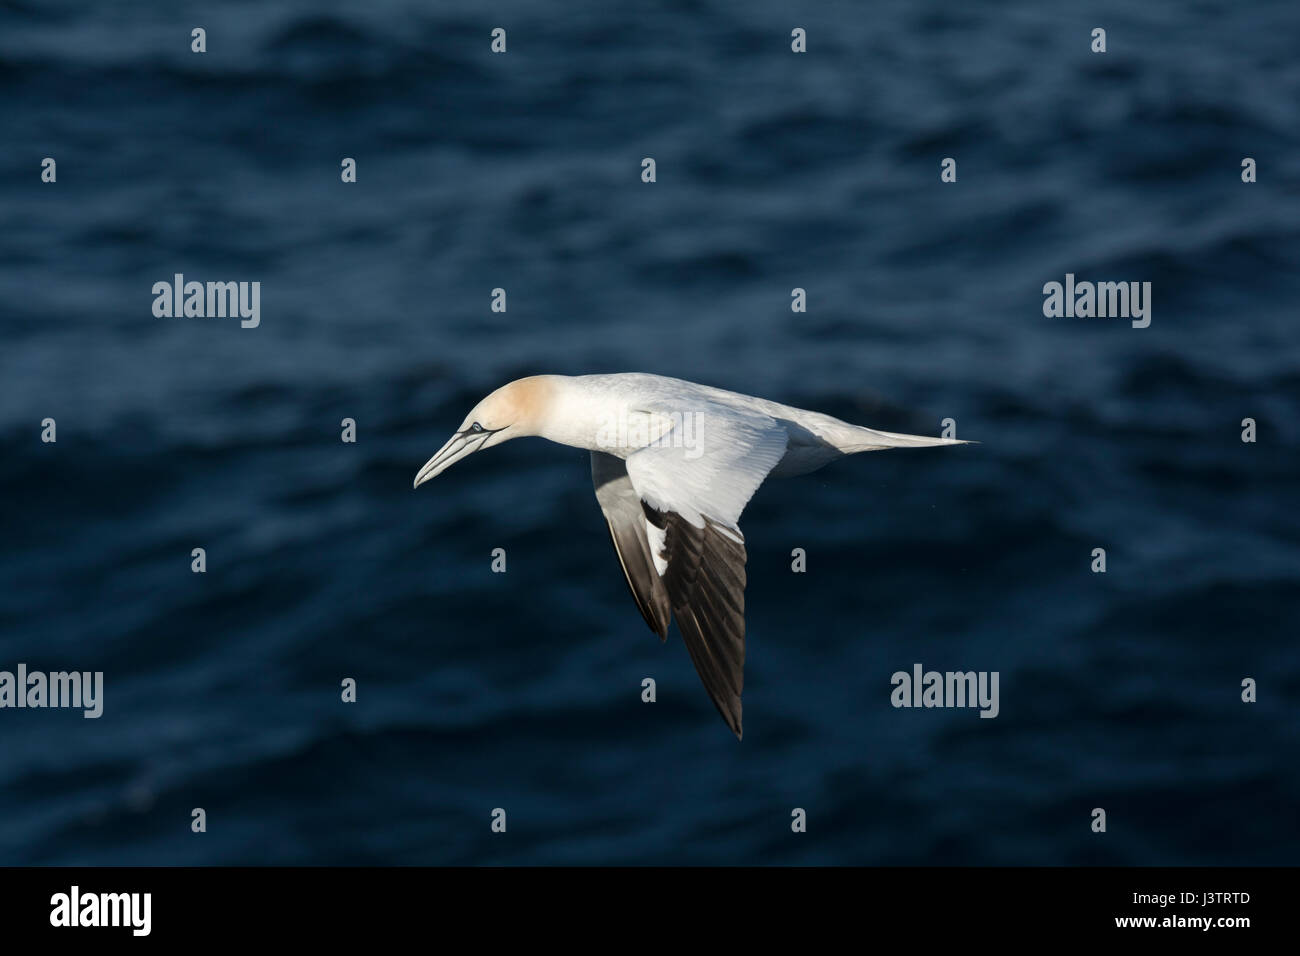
point(627, 529)
point(692, 485)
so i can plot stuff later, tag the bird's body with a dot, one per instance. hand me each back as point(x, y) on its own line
point(585, 406)
point(674, 463)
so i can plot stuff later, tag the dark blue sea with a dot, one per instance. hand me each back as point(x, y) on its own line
point(775, 170)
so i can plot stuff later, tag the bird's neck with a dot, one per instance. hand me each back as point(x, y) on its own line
point(576, 414)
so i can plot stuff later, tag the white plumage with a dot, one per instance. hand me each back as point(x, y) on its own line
point(674, 463)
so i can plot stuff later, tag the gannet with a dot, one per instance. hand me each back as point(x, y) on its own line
point(674, 464)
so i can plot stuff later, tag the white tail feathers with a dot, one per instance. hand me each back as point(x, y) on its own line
point(868, 439)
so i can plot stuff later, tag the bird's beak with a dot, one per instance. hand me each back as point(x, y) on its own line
point(461, 445)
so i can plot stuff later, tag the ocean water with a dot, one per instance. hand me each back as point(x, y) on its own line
point(774, 171)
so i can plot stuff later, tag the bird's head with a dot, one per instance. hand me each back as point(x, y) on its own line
point(512, 411)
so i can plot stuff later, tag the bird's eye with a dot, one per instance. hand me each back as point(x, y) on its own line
point(476, 427)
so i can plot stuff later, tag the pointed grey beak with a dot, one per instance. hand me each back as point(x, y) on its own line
point(460, 446)
point(449, 454)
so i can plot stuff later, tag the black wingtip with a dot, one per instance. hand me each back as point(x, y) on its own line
point(734, 718)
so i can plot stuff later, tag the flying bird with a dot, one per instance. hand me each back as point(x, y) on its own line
point(674, 464)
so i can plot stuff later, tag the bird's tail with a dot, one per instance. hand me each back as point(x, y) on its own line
point(858, 438)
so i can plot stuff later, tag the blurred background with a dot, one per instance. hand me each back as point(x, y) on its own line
point(775, 171)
